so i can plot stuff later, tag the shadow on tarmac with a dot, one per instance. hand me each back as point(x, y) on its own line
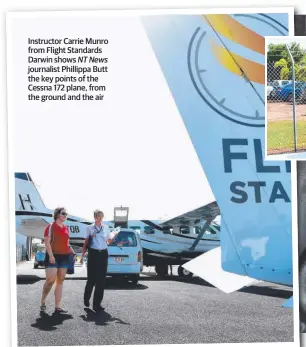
point(124, 286)
point(192, 280)
point(118, 284)
point(101, 318)
point(27, 279)
point(268, 291)
point(257, 290)
point(48, 322)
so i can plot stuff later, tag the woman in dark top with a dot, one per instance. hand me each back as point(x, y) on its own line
point(58, 249)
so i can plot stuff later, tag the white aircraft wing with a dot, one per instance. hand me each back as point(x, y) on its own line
point(34, 222)
point(207, 212)
point(31, 226)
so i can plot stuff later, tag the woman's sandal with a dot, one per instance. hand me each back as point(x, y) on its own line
point(43, 307)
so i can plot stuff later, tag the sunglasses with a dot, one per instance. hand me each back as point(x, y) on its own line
point(64, 214)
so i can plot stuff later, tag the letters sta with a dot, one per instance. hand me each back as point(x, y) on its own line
point(235, 156)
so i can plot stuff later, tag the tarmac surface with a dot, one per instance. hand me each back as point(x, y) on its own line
point(157, 311)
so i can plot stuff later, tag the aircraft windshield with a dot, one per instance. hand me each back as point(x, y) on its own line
point(148, 230)
point(212, 229)
point(125, 239)
point(184, 230)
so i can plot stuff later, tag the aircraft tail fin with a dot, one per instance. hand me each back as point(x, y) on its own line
point(27, 197)
point(225, 118)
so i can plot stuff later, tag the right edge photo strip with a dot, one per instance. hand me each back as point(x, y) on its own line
point(291, 122)
point(300, 33)
point(285, 100)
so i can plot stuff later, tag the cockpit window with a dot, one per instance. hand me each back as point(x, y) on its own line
point(184, 230)
point(211, 230)
point(167, 230)
point(148, 230)
point(215, 227)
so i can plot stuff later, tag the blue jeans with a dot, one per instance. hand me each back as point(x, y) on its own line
point(61, 261)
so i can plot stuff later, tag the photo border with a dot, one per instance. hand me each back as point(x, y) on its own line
point(10, 17)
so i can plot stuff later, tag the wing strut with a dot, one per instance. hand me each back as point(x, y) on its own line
point(201, 233)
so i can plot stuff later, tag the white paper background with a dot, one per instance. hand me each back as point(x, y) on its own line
point(131, 149)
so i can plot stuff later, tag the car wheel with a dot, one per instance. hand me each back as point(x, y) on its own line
point(161, 269)
point(184, 273)
point(134, 280)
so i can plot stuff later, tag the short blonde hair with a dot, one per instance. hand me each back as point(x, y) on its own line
point(97, 213)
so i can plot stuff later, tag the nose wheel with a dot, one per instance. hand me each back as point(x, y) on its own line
point(184, 273)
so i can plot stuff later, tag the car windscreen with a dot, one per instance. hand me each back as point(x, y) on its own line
point(125, 239)
point(40, 255)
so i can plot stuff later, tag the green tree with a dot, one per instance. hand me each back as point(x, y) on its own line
point(277, 52)
point(284, 61)
point(301, 74)
point(285, 70)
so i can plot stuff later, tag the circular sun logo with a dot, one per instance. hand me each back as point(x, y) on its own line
point(226, 64)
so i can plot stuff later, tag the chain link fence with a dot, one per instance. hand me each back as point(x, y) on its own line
point(286, 98)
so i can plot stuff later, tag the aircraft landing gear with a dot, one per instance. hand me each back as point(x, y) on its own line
point(161, 269)
point(134, 280)
point(184, 273)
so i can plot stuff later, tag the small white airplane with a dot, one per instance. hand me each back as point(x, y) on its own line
point(175, 241)
point(172, 242)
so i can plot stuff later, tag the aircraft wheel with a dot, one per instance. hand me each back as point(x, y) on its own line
point(161, 269)
point(184, 273)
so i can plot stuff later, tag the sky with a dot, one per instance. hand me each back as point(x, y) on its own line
point(287, 40)
point(132, 149)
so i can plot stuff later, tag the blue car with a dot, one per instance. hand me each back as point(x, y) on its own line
point(285, 93)
point(39, 259)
